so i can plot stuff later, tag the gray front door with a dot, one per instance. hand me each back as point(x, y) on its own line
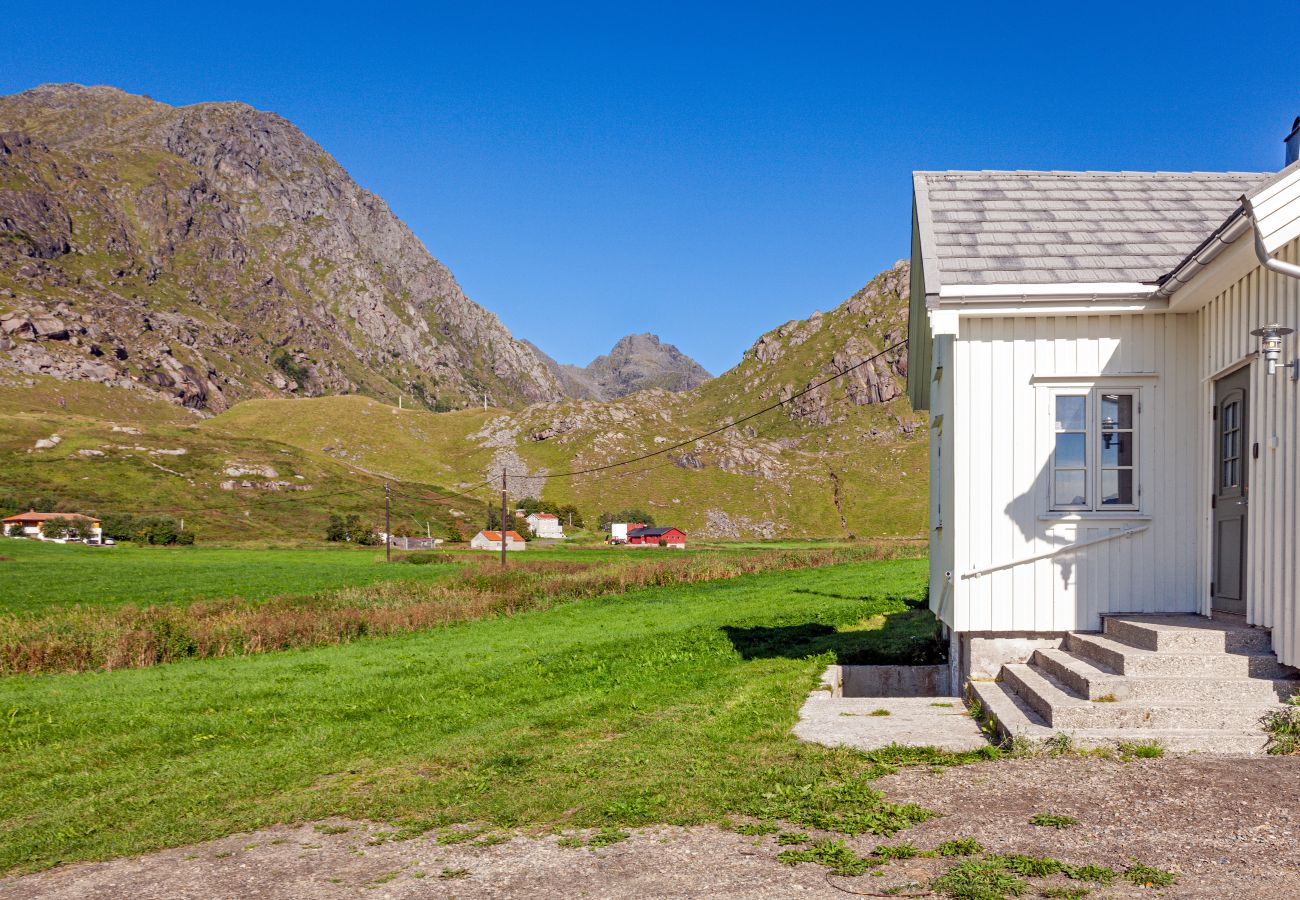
point(1231, 491)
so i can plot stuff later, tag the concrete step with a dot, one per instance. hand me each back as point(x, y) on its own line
point(1125, 659)
point(1186, 634)
point(1092, 681)
point(1011, 717)
point(1062, 709)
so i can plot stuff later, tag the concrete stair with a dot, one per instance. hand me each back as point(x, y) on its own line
point(1191, 683)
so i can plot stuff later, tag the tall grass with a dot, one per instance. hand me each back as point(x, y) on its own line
point(82, 637)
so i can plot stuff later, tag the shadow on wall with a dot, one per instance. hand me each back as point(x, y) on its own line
point(1024, 511)
point(908, 637)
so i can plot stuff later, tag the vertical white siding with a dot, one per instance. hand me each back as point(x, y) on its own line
point(1001, 374)
point(942, 481)
point(1273, 544)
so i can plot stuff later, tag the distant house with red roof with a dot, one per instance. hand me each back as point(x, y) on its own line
point(657, 537)
point(491, 540)
point(32, 524)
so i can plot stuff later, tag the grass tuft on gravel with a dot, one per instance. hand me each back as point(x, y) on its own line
point(1149, 876)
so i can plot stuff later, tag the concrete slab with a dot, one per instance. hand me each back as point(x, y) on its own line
point(912, 721)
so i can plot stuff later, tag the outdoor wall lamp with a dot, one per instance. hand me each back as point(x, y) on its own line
point(1270, 344)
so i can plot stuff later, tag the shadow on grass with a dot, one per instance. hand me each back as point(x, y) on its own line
point(908, 637)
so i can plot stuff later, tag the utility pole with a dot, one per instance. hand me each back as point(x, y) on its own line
point(388, 523)
point(503, 517)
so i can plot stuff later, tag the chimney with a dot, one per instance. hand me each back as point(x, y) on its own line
point(1293, 142)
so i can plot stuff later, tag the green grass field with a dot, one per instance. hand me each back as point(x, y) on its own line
point(672, 704)
point(35, 576)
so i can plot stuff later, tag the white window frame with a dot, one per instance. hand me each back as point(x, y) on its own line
point(1092, 440)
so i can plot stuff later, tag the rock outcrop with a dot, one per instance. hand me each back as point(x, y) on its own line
point(214, 253)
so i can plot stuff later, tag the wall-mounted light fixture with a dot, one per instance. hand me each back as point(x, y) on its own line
point(1270, 344)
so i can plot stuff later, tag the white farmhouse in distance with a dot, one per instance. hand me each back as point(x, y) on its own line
point(1110, 370)
point(545, 525)
point(491, 540)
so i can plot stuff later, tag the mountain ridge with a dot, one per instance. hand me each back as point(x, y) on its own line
point(214, 253)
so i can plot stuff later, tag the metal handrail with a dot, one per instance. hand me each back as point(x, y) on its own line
point(1069, 548)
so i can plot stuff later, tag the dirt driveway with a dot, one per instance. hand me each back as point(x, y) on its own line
point(1228, 827)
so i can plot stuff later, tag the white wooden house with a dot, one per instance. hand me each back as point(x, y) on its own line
point(545, 525)
point(1107, 434)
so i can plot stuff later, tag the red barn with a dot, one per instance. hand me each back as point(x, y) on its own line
point(656, 537)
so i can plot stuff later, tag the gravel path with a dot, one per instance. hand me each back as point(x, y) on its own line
point(1228, 826)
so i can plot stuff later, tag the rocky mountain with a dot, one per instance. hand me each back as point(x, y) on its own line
point(214, 253)
point(637, 362)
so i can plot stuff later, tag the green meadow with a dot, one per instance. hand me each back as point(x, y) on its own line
point(36, 576)
point(669, 704)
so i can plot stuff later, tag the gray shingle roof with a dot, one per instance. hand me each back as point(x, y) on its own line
point(1055, 227)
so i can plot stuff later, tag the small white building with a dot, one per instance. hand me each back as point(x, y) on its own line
point(545, 525)
point(1105, 392)
point(618, 531)
point(491, 540)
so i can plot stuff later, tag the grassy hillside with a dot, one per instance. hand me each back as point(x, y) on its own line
point(855, 440)
point(846, 459)
point(121, 451)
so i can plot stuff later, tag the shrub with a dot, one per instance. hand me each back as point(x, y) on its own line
point(290, 369)
point(145, 529)
point(349, 528)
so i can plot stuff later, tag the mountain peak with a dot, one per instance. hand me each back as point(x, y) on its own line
point(636, 362)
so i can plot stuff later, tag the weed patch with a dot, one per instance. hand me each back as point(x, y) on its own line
point(1283, 728)
point(896, 851)
point(1053, 820)
point(966, 846)
point(833, 854)
point(1140, 749)
point(980, 879)
point(1149, 876)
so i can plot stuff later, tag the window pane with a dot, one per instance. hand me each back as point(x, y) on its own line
point(1070, 450)
point(1116, 411)
point(1070, 488)
point(1117, 448)
point(1070, 413)
point(1117, 487)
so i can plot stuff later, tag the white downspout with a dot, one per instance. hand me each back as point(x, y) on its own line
point(1275, 265)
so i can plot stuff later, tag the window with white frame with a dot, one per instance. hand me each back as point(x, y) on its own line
point(1094, 449)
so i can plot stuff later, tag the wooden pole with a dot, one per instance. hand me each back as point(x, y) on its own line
point(388, 524)
point(503, 517)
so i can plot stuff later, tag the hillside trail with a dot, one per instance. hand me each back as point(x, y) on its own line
point(1227, 826)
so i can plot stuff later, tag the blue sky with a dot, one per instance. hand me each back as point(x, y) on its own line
point(702, 171)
